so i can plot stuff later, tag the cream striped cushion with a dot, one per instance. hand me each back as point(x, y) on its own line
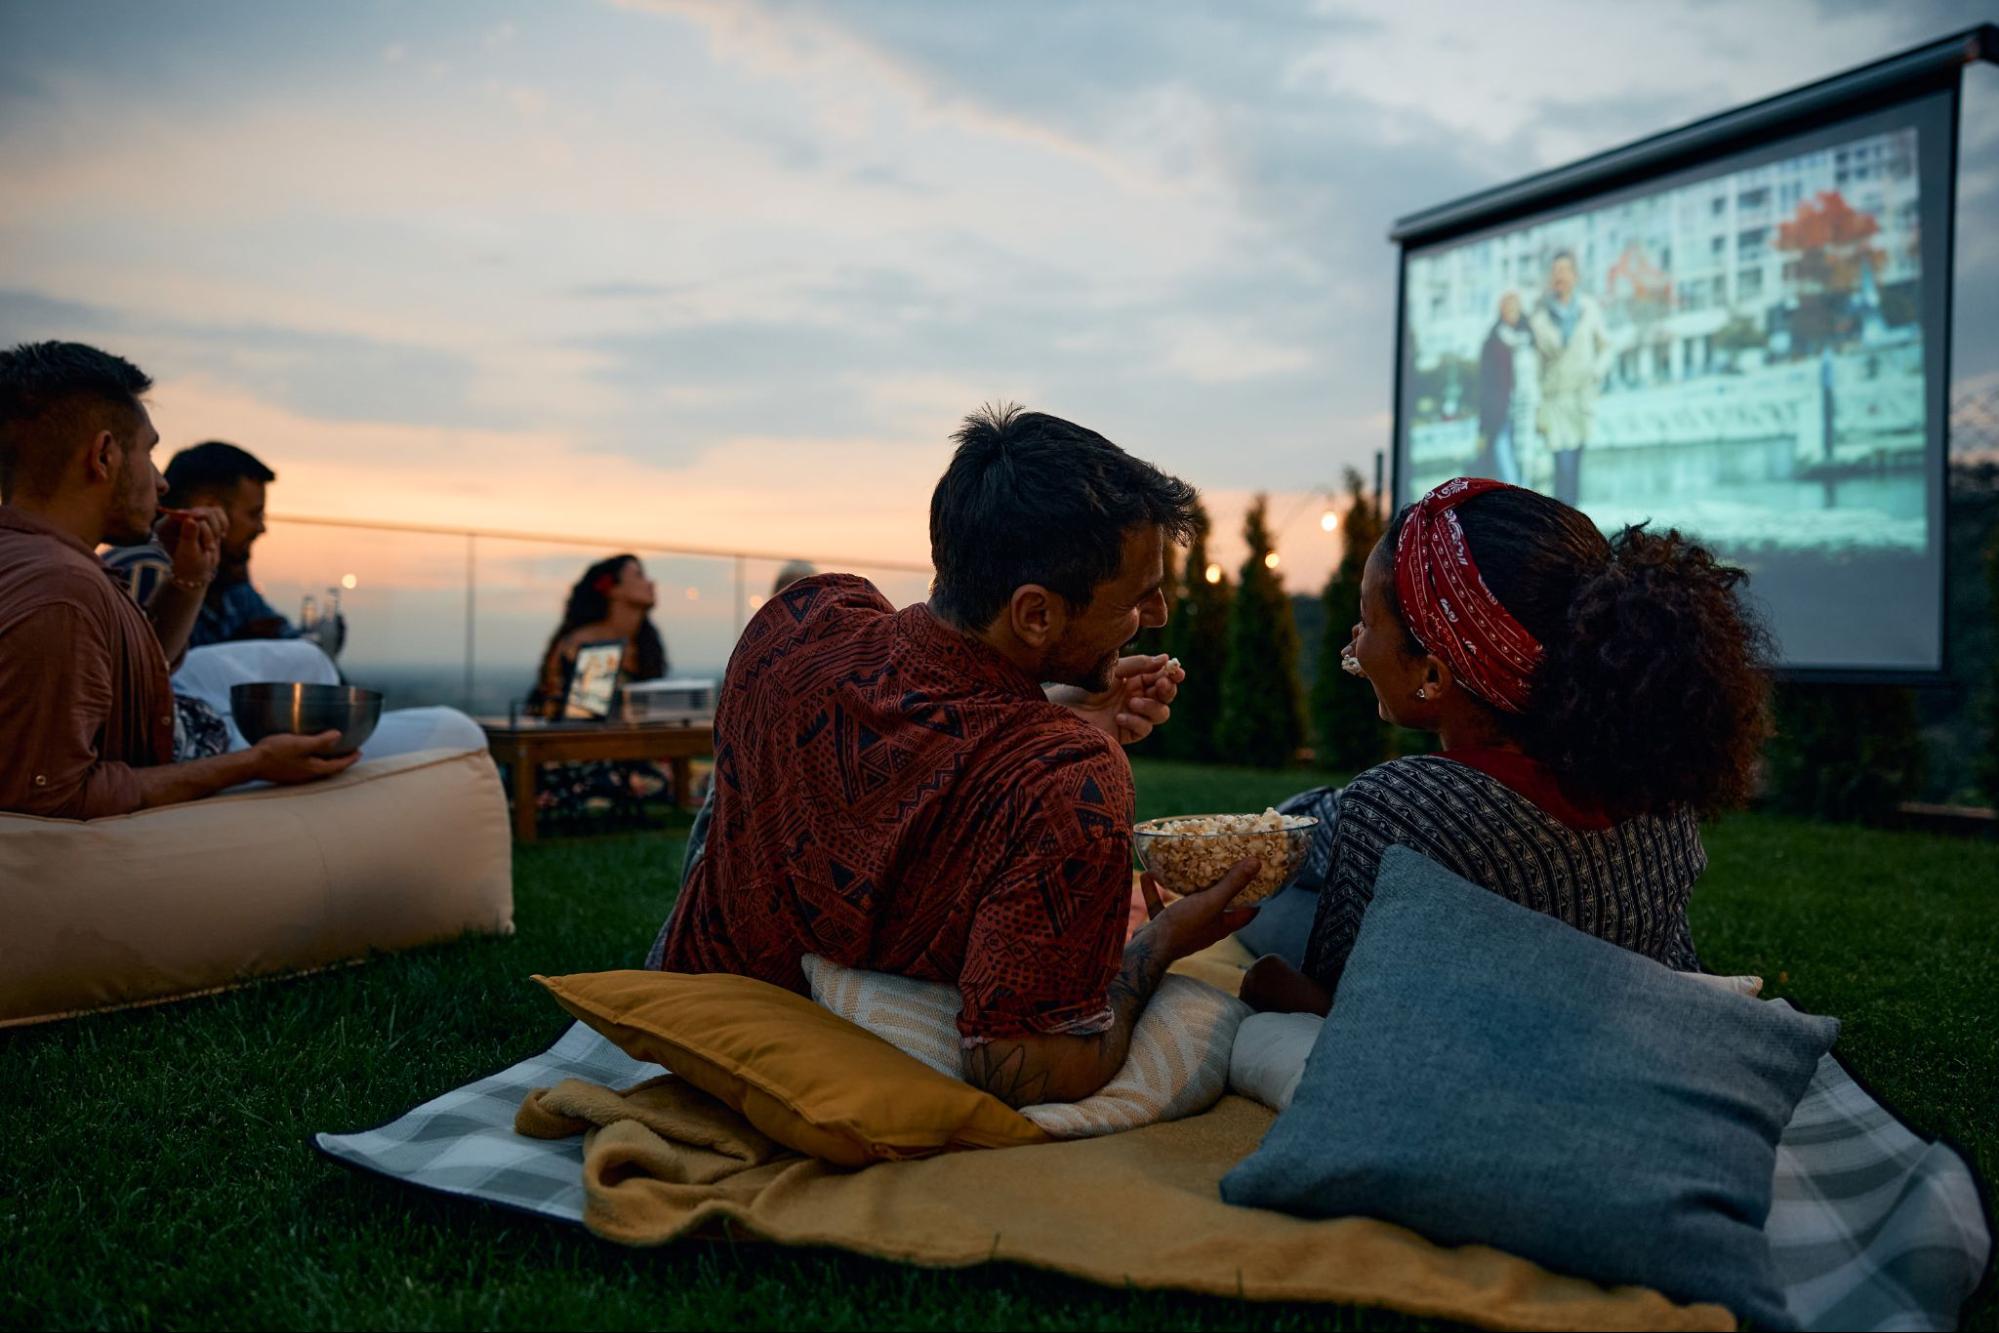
point(1178, 1064)
point(918, 1018)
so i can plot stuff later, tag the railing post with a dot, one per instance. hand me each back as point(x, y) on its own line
point(742, 605)
point(471, 609)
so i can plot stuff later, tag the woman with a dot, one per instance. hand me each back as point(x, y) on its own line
point(612, 601)
point(1594, 699)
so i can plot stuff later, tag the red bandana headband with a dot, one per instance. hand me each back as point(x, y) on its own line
point(1448, 607)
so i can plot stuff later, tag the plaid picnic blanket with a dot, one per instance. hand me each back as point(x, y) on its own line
point(1871, 1227)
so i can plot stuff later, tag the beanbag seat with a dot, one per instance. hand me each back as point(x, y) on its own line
point(192, 898)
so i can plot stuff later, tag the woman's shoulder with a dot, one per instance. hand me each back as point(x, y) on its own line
point(1424, 769)
point(567, 645)
point(1405, 789)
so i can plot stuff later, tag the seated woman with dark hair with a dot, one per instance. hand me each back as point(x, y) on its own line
point(613, 601)
point(1595, 699)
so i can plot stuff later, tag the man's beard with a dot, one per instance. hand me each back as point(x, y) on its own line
point(1094, 677)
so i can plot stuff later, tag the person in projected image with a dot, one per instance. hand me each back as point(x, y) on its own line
point(611, 603)
point(1594, 699)
point(1497, 456)
point(941, 792)
point(1575, 353)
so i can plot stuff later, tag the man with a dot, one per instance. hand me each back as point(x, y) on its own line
point(896, 790)
point(232, 481)
point(88, 725)
point(1575, 352)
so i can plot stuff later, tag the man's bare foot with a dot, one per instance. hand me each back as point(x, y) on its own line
point(1273, 986)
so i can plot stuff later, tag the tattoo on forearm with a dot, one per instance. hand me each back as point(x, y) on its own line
point(1020, 1076)
point(1001, 1068)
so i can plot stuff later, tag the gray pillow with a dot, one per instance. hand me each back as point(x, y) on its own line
point(1490, 1075)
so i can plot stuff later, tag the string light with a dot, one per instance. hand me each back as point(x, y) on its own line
point(756, 601)
point(1214, 572)
point(1328, 521)
point(349, 582)
point(1270, 561)
point(693, 594)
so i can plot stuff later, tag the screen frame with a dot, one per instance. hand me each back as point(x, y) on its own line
point(1772, 131)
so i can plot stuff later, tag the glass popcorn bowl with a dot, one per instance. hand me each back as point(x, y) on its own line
point(1187, 853)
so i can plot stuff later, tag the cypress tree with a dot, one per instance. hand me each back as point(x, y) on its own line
point(1263, 708)
point(1349, 732)
point(1991, 757)
point(1197, 634)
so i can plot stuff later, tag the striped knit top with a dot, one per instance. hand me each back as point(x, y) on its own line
point(1627, 883)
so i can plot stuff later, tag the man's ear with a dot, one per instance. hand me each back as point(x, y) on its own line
point(1037, 616)
point(102, 457)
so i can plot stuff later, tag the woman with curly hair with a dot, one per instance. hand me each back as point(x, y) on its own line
point(1594, 699)
point(612, 601)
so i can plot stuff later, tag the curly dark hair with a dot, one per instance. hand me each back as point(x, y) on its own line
point(1654, 688)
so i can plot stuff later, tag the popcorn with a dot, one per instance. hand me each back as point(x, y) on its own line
point(1189, 852)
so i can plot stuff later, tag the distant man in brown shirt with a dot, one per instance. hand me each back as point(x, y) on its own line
point(86, 715)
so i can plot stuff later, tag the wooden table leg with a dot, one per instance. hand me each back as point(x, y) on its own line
point(524, 798)
point(683, 784)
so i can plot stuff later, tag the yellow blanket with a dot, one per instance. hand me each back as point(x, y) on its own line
point(663, 1162)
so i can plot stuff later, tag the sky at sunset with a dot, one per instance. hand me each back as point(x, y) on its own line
point(727, 276)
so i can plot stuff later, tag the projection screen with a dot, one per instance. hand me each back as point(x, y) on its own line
point(1748, 342)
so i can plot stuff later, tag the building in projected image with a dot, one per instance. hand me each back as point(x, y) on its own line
point(1758, 328)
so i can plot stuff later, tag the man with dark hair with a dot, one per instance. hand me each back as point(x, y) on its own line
point(231, 480)
point(88, 724)
point(898, 791)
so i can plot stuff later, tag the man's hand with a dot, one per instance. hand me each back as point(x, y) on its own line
point(1190, 924)
point(286, 759)
point(1140, 696)
point(193, 538)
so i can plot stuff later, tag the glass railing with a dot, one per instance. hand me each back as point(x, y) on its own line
point(462, 616)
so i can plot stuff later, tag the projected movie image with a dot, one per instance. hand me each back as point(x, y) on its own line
point(1742, 356)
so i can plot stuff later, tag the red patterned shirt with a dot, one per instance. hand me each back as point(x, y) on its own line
point(894, 795)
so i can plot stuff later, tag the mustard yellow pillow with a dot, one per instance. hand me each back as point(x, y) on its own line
point(803, 1076)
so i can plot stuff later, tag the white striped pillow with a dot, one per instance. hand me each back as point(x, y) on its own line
point(1178, 1064)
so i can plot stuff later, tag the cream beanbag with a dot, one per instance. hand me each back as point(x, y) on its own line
point(393, 853)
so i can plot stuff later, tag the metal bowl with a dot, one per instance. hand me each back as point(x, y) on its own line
point(1184, 861)
point(282, 707)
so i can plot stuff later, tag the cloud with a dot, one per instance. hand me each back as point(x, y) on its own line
point(323, 374)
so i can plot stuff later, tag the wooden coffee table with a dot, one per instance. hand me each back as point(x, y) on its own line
point(527, 743)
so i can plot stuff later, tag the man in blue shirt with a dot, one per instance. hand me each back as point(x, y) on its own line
point(232, 480)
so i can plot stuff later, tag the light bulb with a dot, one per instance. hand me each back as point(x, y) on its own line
point(1270, 561)
point(693, 594)
point(1214, 573)
point(1328, 521)
point(756, 601)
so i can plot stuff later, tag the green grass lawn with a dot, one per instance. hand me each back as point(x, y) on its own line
point(154, 1167)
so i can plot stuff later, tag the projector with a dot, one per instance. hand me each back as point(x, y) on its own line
point(670, 701)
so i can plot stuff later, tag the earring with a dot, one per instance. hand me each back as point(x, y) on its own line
point(1422, 693)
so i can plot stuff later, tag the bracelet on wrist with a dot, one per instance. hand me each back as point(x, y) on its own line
point(191, 585)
